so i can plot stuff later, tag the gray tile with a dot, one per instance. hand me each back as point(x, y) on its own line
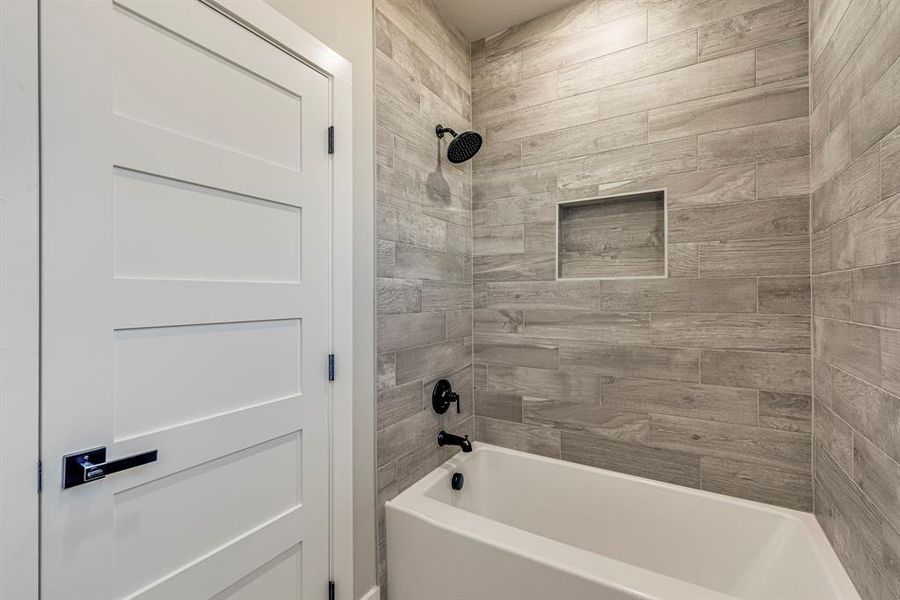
point(851, 347)
point(592, 418)
point(459, 324)
point(609, 328)
point(695, 188)
point(764, 142)
point(443, 295)
point(416, 363)
point(561, 295)
point(771, 333)
point(578, 387)
point(776, 23)
point(877, 114)
point(385, 371)
point(763, 104)
point(385, 259)
point(498, 405)
point(853, 189)
point(540, 237)
point(771, 371)
point(820, 251)
point(516, 350)
point(878, 476)
point(677, 15)
point(790, 412)
point(785, 256)
point(592, 138)
point(784, 295)
point(890, 164)
point(852, 523)
point(891, 560)
point(399, 403)
point(745, 220)
point(681, 468)
point(396, 440)
point(835, 436)
point(514, 182)
point(394, 79)
point(398, 295)
point(683, 260)
point(874, 55)
point(526, 438)
point(822, 381)
point(503, 239)
point(408, 330)
point(502, 71)
point(870, 237)
point(489, 320)
point(876, 295)
point(731, 295)
point(847, 35)
point(525, 93)
point(675, 364)
point(833, 154)
point(538, 208)
point(718, 76)
point(644, 60)
point(539, 266)
point(890, 361)
point(832, 295)
point(824, 18)
point(498, 154)
point(753, 481)
point(543, 118)
point(867, 409)
point(714, 403)
point(661, 158)
point(783, 60)
point(783, 178)
point(783, 449)
point(609, 36)
point(421, 263)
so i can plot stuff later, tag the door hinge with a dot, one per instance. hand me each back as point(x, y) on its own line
point(40, 477)
point(330, 590)
point(331, 367)
point(331, 139)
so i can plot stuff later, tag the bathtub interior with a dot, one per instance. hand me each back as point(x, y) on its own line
point(738, 548)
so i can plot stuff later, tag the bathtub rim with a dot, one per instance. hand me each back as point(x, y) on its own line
point(625, 577)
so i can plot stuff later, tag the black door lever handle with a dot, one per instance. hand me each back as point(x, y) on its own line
point(90, 465)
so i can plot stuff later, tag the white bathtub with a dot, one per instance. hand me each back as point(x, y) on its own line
point(534, 528)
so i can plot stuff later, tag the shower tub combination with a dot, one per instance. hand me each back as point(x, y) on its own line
point(535, 528)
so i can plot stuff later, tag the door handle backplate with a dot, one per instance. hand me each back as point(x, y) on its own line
point(90, 465)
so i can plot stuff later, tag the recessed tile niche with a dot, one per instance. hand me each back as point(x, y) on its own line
point(613, 237)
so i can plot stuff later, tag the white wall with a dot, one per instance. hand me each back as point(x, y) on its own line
point(346, 26)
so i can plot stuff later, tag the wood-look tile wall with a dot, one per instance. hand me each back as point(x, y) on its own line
point(702, 379)
point(855, 93)
point(424, 233)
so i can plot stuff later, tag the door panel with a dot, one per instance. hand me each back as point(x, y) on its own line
point(186, 257)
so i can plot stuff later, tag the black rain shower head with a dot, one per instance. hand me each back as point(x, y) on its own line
point(463, 146)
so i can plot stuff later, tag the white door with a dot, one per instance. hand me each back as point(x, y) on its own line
point(185, 306)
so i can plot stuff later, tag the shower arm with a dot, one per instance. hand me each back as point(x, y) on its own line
point(440, 130)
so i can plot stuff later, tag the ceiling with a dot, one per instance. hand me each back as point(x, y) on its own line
point(481, 18)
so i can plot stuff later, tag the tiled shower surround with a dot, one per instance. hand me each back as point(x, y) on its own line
point(703, 378)
point(700, 379)
point(855, 97)
point(424, 244)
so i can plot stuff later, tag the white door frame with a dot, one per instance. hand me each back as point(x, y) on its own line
point(19, 298)
point(20, 276)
